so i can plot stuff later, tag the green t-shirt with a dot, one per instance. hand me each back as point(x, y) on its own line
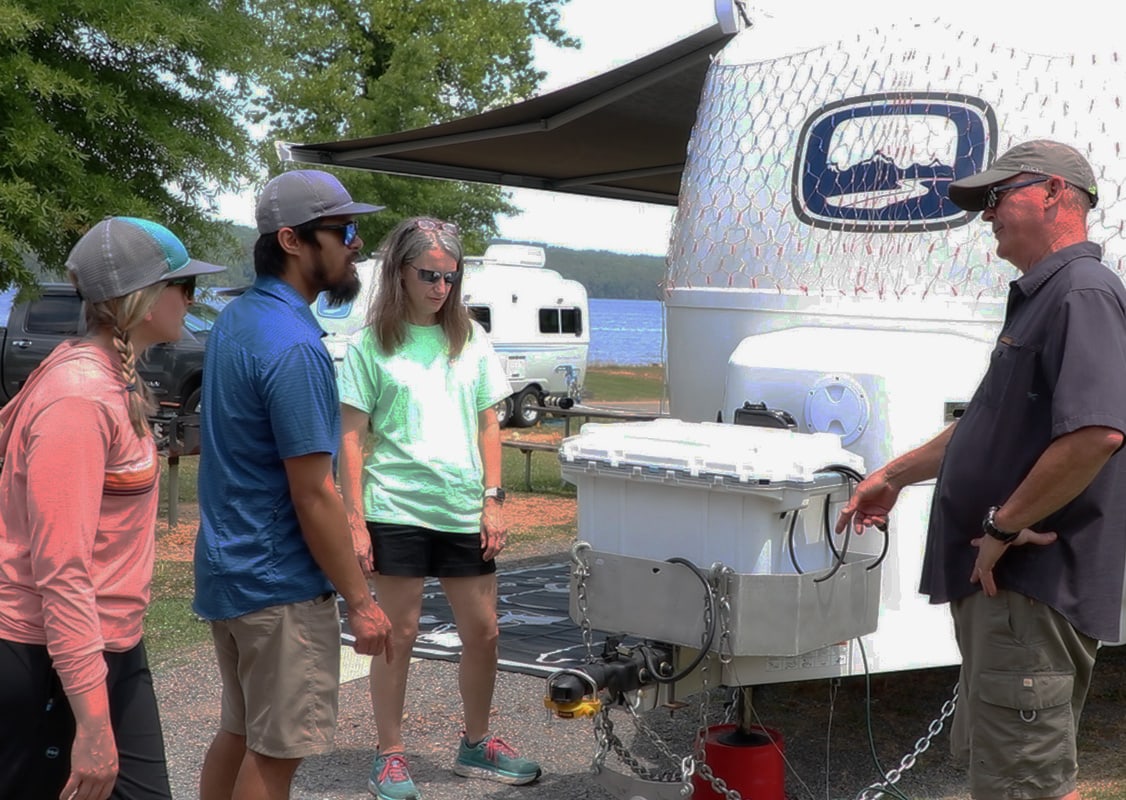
point(423, 465)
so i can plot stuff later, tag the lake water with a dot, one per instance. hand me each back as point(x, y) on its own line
point(625, 332)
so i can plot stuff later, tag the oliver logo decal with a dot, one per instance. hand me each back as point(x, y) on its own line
point(882, 163)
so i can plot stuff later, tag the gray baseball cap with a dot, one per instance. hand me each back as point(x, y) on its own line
point(1041, 157)
point(303, 195)
point(120, 255)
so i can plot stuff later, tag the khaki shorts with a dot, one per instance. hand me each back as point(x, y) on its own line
point(1024, 678)
point(281, 675)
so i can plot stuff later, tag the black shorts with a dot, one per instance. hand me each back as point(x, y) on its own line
point(37, 726)
point(408, 551)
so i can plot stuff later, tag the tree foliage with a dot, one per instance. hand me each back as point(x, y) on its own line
point(354, 68)
point(119, 107)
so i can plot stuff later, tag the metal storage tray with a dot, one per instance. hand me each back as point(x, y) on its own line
point(771, 614)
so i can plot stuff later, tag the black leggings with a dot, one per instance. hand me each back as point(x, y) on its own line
point(37, 726)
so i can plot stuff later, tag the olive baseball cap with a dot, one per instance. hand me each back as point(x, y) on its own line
point(121, 255)
point(1041, 157)
point(303, 195)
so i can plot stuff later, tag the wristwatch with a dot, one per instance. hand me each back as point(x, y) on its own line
point(987, 526)
point(497, 493)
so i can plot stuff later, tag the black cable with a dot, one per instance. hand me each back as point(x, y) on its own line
point(709, 600)
point(790, 541)
point(849, 472)
point(889, 788)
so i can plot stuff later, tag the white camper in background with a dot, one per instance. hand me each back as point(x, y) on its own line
point(538, 322)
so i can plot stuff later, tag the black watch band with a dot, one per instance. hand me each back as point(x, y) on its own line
point(989, 527)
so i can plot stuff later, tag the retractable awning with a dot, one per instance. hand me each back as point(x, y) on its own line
point(622, 134)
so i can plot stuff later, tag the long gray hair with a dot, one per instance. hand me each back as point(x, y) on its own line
point(387, 313)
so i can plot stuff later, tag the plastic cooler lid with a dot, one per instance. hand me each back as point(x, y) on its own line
point(744, 453)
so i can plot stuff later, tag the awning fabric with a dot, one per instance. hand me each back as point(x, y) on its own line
point(622, 134)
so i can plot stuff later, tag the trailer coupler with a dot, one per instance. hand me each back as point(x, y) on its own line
point(578, 691)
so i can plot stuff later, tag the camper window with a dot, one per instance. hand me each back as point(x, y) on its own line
point(561, 320)
point(483, 315)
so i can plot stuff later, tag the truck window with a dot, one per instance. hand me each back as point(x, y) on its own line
point(483, 315)
point(56, 314)
point(7, 300)
point(561, 320)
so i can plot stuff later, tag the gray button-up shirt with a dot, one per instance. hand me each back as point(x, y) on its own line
point(1059, 365)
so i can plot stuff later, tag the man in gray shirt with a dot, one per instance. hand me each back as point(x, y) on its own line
point(1027, 535)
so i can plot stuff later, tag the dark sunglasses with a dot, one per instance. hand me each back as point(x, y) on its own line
point(993, 196)
point(185, 285)
point(348, 231)
point(428, 224)
point(433, 276)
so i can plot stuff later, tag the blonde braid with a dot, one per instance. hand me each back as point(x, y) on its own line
point(121, 315)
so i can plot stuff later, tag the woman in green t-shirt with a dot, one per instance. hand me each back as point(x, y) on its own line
point(423, 491)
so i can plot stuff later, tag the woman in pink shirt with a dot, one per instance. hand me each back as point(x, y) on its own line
point(78, 716)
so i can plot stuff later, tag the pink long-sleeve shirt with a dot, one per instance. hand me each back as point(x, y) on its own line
point(78, 502)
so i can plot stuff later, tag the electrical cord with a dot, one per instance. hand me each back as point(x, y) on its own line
point(709, 600)
point(790, 541)
point(849, 472)
point(889, 789)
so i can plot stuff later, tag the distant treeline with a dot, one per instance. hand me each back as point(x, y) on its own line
point(604, 274)
point(610, 275)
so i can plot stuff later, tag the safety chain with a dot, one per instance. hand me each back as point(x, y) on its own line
point(581, 570)
point(608, 740)
point(921, 746)
point(721, 585)
point(723, 577)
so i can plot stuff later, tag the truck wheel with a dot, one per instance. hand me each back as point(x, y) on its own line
point(504, 412)
point(526, 414)
point(191, 405)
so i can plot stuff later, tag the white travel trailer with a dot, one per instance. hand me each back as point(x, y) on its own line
point(816, 264)
point(537, 321)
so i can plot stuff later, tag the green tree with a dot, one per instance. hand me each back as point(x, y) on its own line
point(119, 107)
point(353, 68)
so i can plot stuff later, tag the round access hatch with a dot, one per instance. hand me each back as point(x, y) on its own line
point(837, 404)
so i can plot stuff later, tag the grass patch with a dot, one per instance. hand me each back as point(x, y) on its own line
point(547, 478)
point(188, 474)
point(613, 384)
point(170, 623)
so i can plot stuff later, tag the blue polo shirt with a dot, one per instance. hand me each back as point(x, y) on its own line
point(269, 393)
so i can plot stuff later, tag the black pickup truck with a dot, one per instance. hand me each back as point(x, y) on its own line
point(29, 330)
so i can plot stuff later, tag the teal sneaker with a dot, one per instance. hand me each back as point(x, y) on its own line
point(390, 779)
point(494, 760)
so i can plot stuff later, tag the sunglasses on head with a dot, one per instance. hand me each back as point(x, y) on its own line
point(428, 224)
point(993, 196)
point(433, 276)
point(348, 231)
point(185, 285)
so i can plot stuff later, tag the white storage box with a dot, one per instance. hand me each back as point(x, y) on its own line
point(706, 492)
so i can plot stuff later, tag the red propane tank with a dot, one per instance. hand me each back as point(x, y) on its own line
point(750, 763)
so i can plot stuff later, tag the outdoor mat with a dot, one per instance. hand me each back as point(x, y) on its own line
point(537, 636)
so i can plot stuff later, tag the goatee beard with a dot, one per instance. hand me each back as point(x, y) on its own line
point(340, 293)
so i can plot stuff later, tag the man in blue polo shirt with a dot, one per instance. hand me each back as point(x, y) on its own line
point(1026, 529)
point(274, 539)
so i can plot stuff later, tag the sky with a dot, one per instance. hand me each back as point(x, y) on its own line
point(613, 32)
